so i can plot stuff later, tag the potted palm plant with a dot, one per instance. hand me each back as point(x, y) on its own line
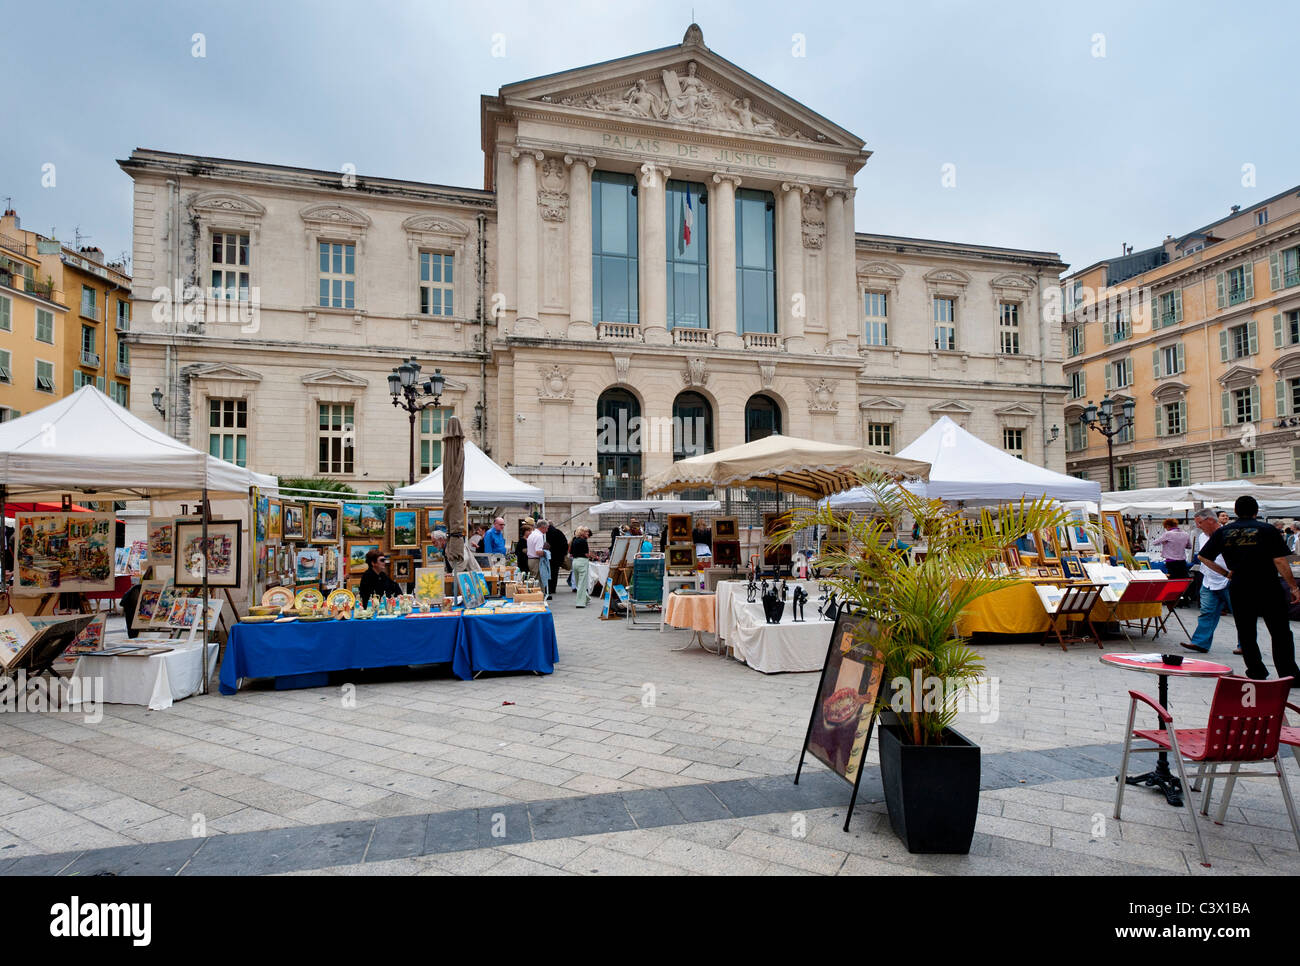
point(929, 770)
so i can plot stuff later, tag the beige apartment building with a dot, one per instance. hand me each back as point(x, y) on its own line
point(1202, 333)
point(661, 238)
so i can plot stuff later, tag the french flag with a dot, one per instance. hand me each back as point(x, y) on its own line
point(688, 219)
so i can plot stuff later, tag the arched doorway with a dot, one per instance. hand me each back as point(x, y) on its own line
point(692, 425)
point(618, 445)
point(762, 417)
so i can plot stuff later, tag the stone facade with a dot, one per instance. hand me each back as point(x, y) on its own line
point(521, 343)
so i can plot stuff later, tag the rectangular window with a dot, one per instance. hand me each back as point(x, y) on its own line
point(1237, 292)
point(123, 358)
point(1126, 477)
point(1290, 267)
point(1171, 360)
point(1172, 419)
point(880, 437)
point(433, 422)
point(80, 379)
point(1239, 341)
point(945, 327)
point(1013, 441)
point(755, 261)
point(614, 247)
point(120, 394)
point(1076, 435)
point(1242, 407)
point(1293, 387)
point(436, 284)
point(1074, 340)
point(335, 439)
point(1078, 384)
point(6, 367)
point(1121, 374)
point(6, 314)
point(1246, 463)
point(687, 218)
point(44, 376)
point(338, 275)
point(88, 308)
point(877, 312)
point(1176, 473)
point(123, 316)
point(1120, 326)
point(228, 430)
point(1009, 328)
point(1170, 308)
point(89, 357)
point(1261, 217)
point(1291, 326)
point(230, 266)
point(45, 326)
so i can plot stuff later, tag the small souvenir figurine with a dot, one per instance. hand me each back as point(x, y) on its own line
point(773, 605)
point(800, 599)
point(751, 589)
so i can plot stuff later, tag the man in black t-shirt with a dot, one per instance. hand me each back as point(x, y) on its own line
point(1256, 556)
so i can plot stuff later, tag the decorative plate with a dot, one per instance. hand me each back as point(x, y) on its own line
point(341, 597)
point(310, 597)
point(278, 597)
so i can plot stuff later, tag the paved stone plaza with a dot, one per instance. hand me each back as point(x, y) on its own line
point(630, 758)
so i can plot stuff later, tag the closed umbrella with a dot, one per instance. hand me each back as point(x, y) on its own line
point(453, 481)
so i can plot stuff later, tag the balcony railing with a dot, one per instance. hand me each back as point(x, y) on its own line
point(1291, 278)
point(124, 368)
point(619, 331)
point(1236, 296)
point(90, 359)
point(89, 311)
point(13, 244)
point(620, 488)
point(683, 336)
point(762, 340)
point(123, 323)
point(1168, 318)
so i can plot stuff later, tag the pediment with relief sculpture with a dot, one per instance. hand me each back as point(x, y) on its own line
point(686, 85)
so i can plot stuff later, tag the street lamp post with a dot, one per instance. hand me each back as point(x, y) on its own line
point(1110, 424)
point(405, 386)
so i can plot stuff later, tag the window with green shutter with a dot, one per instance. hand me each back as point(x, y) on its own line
point(1284, 268)
point(6, 314)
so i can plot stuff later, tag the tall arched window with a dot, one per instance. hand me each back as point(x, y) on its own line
point(762, 417)
point(618, 445)
point(692, 425)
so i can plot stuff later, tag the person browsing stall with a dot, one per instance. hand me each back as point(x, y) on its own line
point(1256, 556)
point(375, 582)
point(1173, 544)
point(494, 541)
point(1214, 587)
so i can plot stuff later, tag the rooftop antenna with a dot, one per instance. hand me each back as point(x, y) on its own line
point(80, 237)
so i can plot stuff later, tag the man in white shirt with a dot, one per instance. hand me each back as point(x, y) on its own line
point(536, 548)
point(1214, 588)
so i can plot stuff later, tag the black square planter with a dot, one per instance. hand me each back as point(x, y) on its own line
point(932, 791)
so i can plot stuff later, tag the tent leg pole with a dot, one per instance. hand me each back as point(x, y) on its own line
point(203, 646)
point(4, 549)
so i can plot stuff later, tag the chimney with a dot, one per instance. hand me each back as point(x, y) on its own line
point(1236, 208)
point(10, 213)
point(93, 253)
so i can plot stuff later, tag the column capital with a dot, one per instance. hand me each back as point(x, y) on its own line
point(652, 168)
point(796, 186)
point(572, 159)
point(844, 193)
point(722, 176)
point(518, 153)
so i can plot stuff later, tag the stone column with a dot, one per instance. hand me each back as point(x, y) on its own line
point(791, 311)
point(652, 259)
point(722, 264)
point(853, 310)
point(526, 232)
point(840, 320)
point(505, 281)
point(579, 237)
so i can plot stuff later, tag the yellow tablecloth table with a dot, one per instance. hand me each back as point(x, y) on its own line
point(1019, 610)
point(696, 612)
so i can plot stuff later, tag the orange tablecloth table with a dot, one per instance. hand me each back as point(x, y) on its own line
point(696, 612)
point(1019, 610)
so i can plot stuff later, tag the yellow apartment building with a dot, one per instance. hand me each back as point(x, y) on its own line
point(75, 338)
point(33, 325)
point(1202, 334)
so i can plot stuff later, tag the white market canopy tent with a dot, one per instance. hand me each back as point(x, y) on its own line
point(486, 484)
point(964, 468)
point(86, 444)
point(1273, 500)
point(652, 506)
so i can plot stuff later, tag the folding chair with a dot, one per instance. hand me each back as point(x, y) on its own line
point(1170, 592)
point(1135, 592)
point(647, 590)
point(1244, 727)
point(1078, 601)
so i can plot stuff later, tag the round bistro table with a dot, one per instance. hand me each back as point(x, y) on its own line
point(1162, 777)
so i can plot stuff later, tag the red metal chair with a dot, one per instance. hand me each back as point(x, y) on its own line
point(1245, 727)
point(1289, 736)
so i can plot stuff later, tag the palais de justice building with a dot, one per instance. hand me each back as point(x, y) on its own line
point(660, 235)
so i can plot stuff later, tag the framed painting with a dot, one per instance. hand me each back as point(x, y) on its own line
point(433, 519)
point(469, 590)
point(274, 517)
point(844, 711)
point(1011, 557)
point(431, 555)
point(726, 528)
point(403, 569)
point(329, 573)
point(294, 520)
point(260, 532)
point(221, 559)
point(63, 553)
point(726, 553)
point(307, 568)
point(679, 528)
point(357, 551)
point(363, 521)
point(681, 558)
point(403, 529)
point(1072, 566)
point(1080, 539)
point(1049, 552)
point(1112, 522)
point(158, 544)
point(15, 633)
point(323, 522)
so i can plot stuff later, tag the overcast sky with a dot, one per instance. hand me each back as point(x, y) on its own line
point(1055, 147)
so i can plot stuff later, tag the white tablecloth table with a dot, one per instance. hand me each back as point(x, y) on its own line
point(772, 648)
point(596, 573)
point(155, 681)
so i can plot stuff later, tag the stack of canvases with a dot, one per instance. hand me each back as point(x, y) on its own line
point(405, 535)
point(726, 542)
point(681, 544)
point(298, 546)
